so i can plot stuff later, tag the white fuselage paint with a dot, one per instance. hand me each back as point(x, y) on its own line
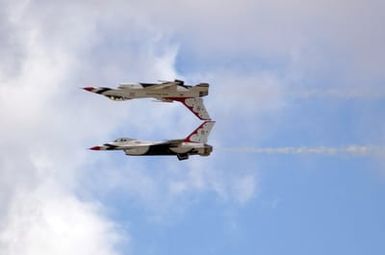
point(138, 148)
point(137, 91)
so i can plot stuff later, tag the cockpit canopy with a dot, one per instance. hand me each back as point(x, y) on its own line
point(124, 139)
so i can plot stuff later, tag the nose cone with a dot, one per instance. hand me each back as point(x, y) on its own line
point(90, 89)
point(96, 148)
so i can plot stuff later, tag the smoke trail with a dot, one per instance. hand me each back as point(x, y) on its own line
point(355, 93)
point(356, 150)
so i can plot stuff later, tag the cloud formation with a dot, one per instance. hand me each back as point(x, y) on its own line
point(41, 153)
point(308, 45)
point(48, 220)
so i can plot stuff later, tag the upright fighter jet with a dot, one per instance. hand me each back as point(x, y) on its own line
point(166, 91)
point(194, 144)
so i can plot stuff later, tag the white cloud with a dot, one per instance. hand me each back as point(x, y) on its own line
point(42, 141)
point(337, 43)
point(50, 221)
point(166, 191)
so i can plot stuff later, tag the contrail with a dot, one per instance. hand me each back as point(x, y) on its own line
point(356, 150)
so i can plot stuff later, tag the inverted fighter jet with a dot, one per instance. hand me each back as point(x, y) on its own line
point(166, 91)
point(194, 144)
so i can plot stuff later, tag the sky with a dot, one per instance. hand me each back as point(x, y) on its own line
point(297, 93)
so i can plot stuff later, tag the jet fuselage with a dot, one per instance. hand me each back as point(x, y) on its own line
point(179, 148)
point(190, 96)
point(132, 91)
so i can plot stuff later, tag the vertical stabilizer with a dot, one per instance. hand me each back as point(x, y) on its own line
point(201, 134)
point(194, 104)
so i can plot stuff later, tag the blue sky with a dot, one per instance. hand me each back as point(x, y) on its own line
point(302, 75)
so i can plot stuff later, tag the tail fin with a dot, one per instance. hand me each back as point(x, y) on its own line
point(194, 104)
point(201, 134)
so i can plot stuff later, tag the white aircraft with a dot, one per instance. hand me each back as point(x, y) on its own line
point(166, 91)
point(194, 144)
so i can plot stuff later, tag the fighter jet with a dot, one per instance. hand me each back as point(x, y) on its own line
point(194, 144)
point(165, 91)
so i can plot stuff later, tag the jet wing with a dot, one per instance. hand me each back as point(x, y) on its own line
point(114, 94)
point(195, 104)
